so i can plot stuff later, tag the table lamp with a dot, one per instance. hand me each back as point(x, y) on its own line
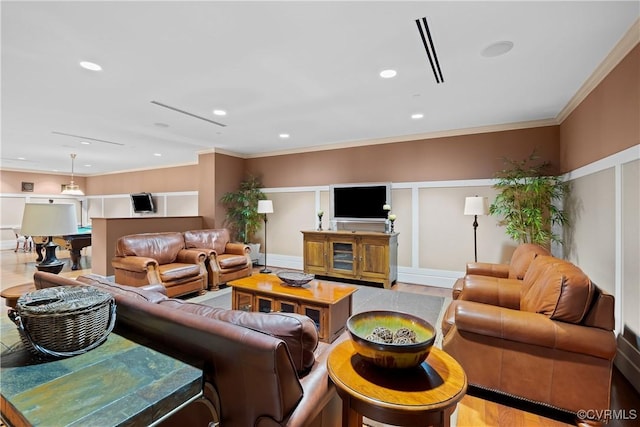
point(476, 206)
point(48, 219)
point(265, 207)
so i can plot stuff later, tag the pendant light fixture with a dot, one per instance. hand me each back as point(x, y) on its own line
point(72, 188)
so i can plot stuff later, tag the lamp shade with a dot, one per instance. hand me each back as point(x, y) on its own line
point(265, 206)
point(476, 206)
point(48, 219)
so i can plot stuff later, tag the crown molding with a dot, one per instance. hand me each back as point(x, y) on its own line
point(617, 54)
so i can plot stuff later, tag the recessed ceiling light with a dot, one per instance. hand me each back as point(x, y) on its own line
point(219, 112)
point(22, 158)
point(87, 166)
point(157, 154)
point(417, 116)
point(284, 135)
point(85, 143)
point(161, 125)
point(497, 49)
point(90, 66)
point(388, 74)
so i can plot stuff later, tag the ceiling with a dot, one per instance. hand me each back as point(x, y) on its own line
point(307, 69)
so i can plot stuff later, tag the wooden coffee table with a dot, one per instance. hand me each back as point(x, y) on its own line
point(327, 304)
point(424, 396)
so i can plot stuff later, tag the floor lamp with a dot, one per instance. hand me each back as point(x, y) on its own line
point(48, 219)
point(265, 207)
point(476, 206)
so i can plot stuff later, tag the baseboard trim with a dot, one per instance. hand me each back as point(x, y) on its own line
point(627, 359)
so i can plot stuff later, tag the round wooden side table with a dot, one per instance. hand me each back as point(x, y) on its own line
point(12, 294)
point(422, 396)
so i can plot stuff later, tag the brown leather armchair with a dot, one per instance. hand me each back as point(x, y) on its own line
point(160, 258)
point(226, 260)
point(515, 270)
point(548, 340)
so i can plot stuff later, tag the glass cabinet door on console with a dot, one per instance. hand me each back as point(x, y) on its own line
point(342, 257)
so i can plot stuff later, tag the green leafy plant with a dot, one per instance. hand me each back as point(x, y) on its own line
point(242, 216)
point(528, 201)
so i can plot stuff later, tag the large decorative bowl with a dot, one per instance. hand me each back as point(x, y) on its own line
point(294, 278)
point(390, 355)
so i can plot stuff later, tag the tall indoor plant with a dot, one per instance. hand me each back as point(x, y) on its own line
point(528, 199)
point(242, 208)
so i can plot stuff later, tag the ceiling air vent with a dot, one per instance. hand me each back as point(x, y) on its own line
point(423, 27)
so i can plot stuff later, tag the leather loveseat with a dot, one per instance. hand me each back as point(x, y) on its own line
point(547, 339)
point(160, 258)
point(226, 260)
point(260, 369)
point(515, 269)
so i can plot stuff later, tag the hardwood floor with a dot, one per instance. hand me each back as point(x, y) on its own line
point(474, 409)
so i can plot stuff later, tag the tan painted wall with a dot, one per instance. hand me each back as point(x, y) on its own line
point(206, 188)
point(229, 174)
point(179, 178)
point(11, 182)
point(460, 157)
point(446, 234)
point(591, 243)
point(607, 121)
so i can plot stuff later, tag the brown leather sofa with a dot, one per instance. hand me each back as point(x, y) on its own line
point(260, 369)
point(226, 261)
point(160, 258)
point(516, 269)
point(547, 339)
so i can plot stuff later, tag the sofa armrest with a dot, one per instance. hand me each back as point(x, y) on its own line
point(492, 290)
point(488, 269)
point(237, 249)
point(534, 329)
point(191, 256)
point(138, 264)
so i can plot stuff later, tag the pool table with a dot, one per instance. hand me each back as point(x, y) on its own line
point(72, 242)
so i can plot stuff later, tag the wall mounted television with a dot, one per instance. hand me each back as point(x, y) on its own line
point(357, 202)
point(143, 203)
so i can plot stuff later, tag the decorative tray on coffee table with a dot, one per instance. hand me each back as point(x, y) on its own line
point(295, 278)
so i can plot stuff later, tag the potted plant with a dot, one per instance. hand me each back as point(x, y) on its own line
point(527, 201)
point(242, 216)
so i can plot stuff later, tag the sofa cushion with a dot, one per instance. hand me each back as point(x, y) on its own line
point(297, 331)
point(230, 260)
point(177, 271)
point(215, 239)
point(559, 290)
point(163, 247)
point(522, 258)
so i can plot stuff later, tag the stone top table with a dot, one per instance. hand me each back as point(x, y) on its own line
point(119, 382)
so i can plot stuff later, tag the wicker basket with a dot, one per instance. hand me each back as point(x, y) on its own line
point(64, 321)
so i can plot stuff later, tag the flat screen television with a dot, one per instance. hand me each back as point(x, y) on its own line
point(360, 201)
point(142, 203)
